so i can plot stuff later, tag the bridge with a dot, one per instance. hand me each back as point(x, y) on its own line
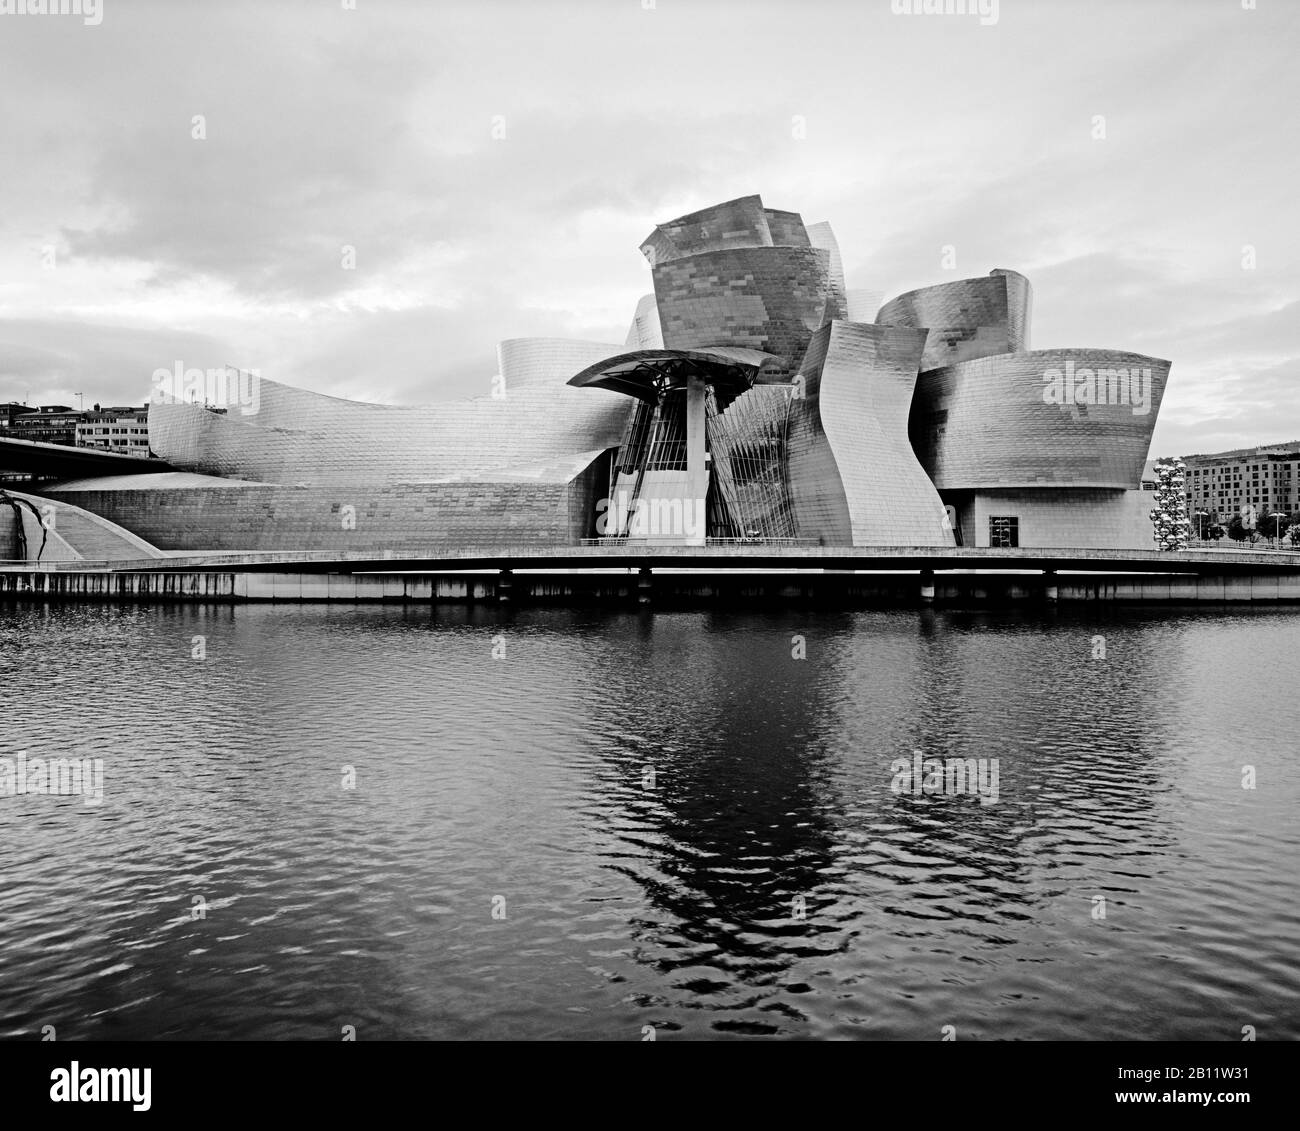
point(59, 461)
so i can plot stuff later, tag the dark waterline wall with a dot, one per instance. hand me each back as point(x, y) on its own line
point(575, 588)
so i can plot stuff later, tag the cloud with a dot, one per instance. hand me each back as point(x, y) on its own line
point(49, 361)
point(494, 167)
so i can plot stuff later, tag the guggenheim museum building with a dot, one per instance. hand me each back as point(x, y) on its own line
point(754, 400)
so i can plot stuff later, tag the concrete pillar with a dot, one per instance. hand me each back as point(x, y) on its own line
point(1049, 584)
point(505, 583)
point(927, 587)
point(644, 582)
point(697, 471)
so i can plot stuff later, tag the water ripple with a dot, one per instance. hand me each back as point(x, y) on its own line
point(539, 823)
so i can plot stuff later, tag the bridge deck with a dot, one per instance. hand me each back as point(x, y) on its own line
point(60, 461)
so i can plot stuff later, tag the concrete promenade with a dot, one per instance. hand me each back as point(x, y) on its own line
point(740, 573)
point(438, 559)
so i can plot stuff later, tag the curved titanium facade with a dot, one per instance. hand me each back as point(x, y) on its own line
point(821, 235)
point(306, 471)
point(644, 333)
point(695, 422)
point(968, 318)
point(853, 477)
point(542, 361)
point(1008, 421)
point(763, 298)
point(740, 274)
point(742, 222)
point(297, 436)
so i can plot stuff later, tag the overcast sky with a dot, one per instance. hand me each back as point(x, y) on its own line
point(380, 128)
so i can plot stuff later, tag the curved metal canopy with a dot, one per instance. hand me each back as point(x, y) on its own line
point(647, 374)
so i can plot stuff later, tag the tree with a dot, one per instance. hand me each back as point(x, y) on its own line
point(1169, 519)
point(1274, 527)
point(1240, 530)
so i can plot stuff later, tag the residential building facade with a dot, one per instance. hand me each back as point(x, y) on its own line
point(1264, 479)
point(124, 431)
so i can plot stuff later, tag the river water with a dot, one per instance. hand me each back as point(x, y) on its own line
point(542, 823)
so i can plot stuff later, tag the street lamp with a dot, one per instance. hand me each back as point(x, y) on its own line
point(1201, 525)
point(1277, 526)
